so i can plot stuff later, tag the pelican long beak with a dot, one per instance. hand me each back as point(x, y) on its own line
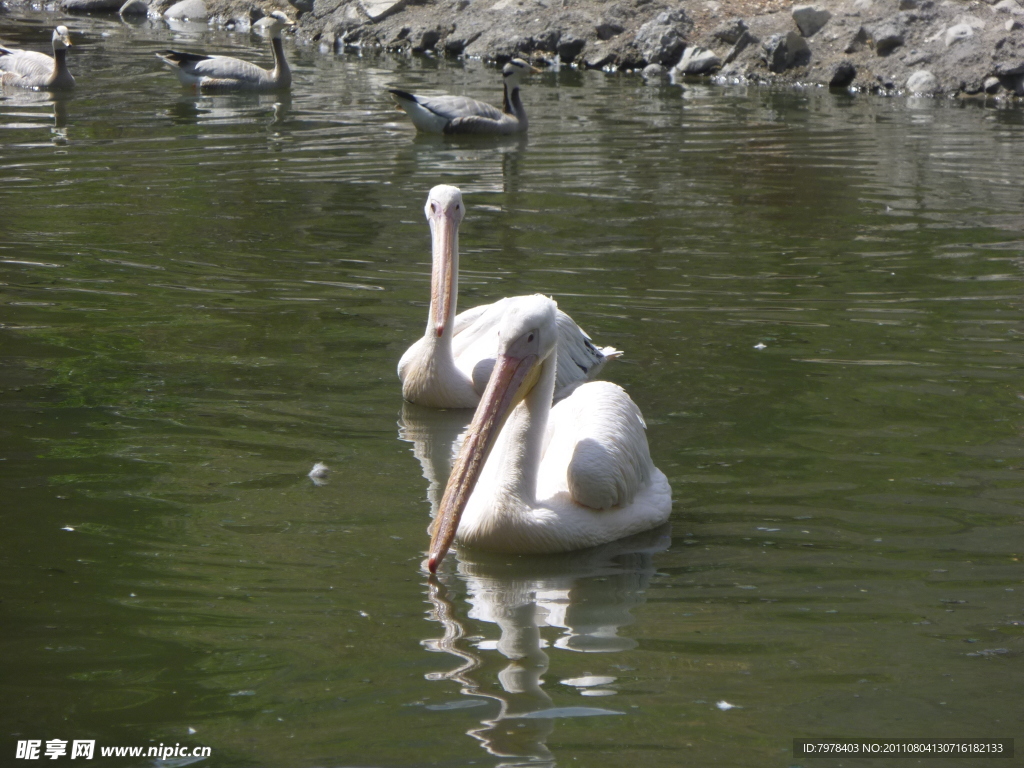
point(511, 380)
point(445, 232)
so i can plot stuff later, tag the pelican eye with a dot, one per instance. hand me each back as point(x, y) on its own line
point(530, 337)
point(433, 207)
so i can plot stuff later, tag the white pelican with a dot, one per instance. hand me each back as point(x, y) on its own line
point(462, 115)
point(31, 69)
point(226, 73)
point(532, 478)
point(450, 365)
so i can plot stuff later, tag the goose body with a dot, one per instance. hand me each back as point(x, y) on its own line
point(450, 365)
point(463, 115)
point(533, 478)
point(31, 69)
point(227, 73)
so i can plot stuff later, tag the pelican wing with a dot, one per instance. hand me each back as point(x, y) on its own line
point(30, 65)
point(596, 448)
point(578, 358)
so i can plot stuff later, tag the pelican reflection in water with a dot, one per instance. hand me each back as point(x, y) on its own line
point(577, 602)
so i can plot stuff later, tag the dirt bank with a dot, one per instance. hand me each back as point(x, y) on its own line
point(924, 47)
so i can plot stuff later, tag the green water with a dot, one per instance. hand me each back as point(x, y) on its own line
point(201, 297)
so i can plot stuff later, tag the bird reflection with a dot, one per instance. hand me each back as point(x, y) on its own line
point(237, 108)
point(435, 436)
point(38, 100)
point(586, 597)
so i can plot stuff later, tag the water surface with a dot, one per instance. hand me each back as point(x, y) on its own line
point(819, 297)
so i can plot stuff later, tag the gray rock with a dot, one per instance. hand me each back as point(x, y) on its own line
point(655, 74)
point(606, 30)
point(381, 9)
point(698, 61)
point(785, 51)
point(90, 6)
point(662, 39)
point(809, 18)
point(741, 44)
point(958, 32)
point(569, 48)
point(454, 45)
point(922, 82)
point(1011, 25)
point(302, 6)
point(598, 57)
point(842, 75)
point(427, 40)
point(1009, 6)
point(992, 85)
point(887, 36)
point(731, 31)
point(134, 8)
point(187, 9)
point(858, 41)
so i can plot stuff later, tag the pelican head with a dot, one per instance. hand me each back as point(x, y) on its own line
point(444, 210)
point(61, 38)
point(526, 338)
point(514, 71)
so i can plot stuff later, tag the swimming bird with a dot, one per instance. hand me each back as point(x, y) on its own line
point(31, 69)
point(450, 365)
point(462, 115)
point(226, 73)
point(532, 478)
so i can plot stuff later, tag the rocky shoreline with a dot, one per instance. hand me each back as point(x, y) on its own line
point(963, 48)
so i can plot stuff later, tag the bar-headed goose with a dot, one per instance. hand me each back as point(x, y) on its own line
point(226, 73)
point(462, 115)
point(31, 69)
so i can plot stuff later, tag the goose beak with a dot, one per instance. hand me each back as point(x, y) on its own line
point(445, 232)
point(512, 378)
point(66, 39)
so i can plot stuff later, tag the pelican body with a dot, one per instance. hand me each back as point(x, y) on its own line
point(31, 69)
point(449, 367)
point(226, 73)
point(462, 115)
point(532, 478)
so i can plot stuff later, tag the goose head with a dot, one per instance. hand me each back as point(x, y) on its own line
point(514, 71)
point(275, 23)
point(61, 38)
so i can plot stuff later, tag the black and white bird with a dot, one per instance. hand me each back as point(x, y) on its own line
point(462, 115)
point(226, 73)
point(450, 365)
point(31, 69)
